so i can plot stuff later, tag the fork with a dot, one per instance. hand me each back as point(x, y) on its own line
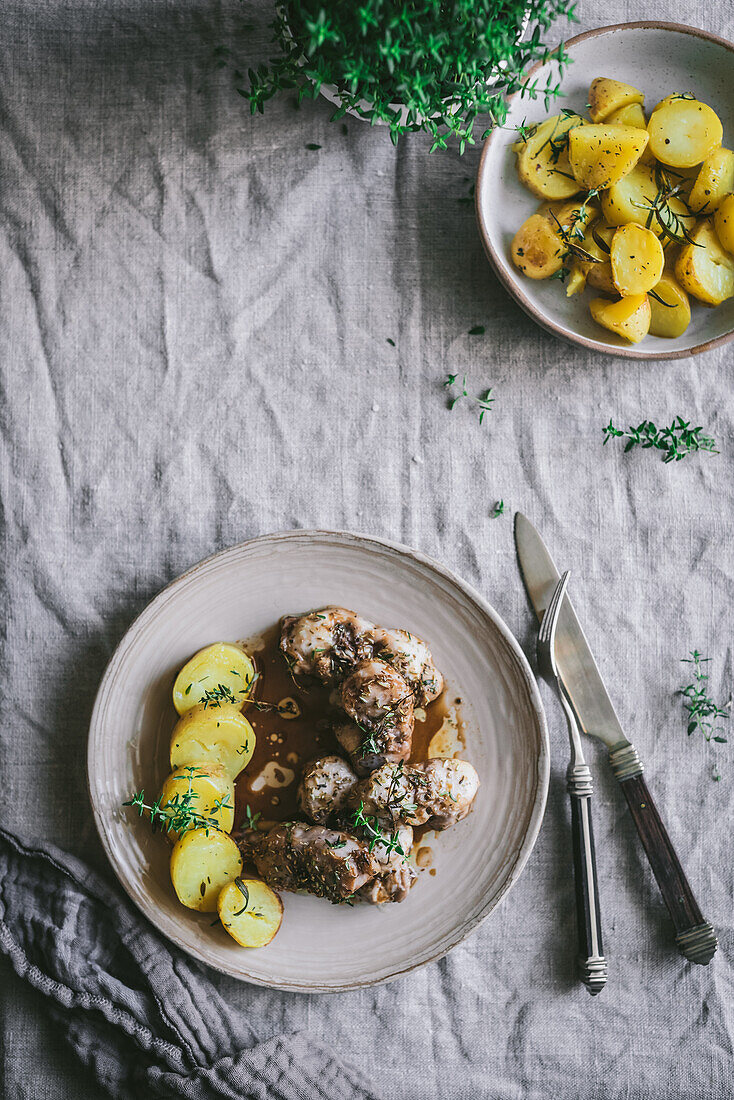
point(592, 966)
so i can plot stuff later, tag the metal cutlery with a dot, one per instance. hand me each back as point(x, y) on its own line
point(595, 714)
point(591, 962)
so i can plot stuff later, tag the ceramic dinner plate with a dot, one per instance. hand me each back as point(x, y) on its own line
point(659, 59)
point(241, 592)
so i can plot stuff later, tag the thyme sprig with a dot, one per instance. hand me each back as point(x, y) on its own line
point(179, 813)
point(485, 400)
point(660, 211)
point(676, 441)
point(369, 826)
point(703, 712)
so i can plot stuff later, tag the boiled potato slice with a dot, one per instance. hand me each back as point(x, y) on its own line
point(629, 317)
point(537, 249)
point(202, 790)
point(542, 160)
point(633, 115)
point(671, 316)
point(203, 861)
point(603, 154)
point(704, 269)
point(250, 911)
point(683, 131)
point(213, 735)
point(637, 260)
point(219, 674)
point(629, 200)
point(724, 223)
point(607, 96)
point(714, 181)
point(598, 275)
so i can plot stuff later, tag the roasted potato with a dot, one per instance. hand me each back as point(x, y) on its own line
point(637, 260)
point(203, 861)
point(630, 201)
point(250, 911)
point(704, 269)
point(683, 131)
point(213, 735)
point(724, 223)
point(629, 317)
point(633, 115)
point(219, 674)
point(537, 249)
point(577, 278)
point(602, 154)
point(542, 160)
point(597, 243)
point(607, 96)
point(714, 182)
point(204, 789)
point(671, 316)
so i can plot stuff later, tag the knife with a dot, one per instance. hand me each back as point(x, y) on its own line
point(596, 716)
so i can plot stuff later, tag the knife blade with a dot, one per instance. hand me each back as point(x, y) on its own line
point(596, 716)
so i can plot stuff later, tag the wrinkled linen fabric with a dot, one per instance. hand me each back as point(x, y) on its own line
point(194, 328)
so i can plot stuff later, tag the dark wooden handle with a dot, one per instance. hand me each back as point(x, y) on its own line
point(592, 964)
point(695, 936)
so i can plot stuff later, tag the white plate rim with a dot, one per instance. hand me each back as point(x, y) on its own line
point(514, 288)
point(363, 541)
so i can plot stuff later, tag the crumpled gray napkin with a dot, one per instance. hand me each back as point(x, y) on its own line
point(135, 1009)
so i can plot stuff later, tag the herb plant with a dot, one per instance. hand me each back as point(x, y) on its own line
point(703, 712)
point(677, 441)
point(431, 65)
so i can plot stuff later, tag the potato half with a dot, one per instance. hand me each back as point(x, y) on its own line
point(629, 317)
point(250, 911)
point(203, 861)
point(724, 223)
point(671, 316)
point(637, 260)
point(542, 160)
point(633, 115)
point(204, 789)
point(714, 181)
point(704, 269)
point(537, 249)
point(683, 131)
point(630, 200)
point(597, 242)
point(220, 674)
point(606, 96)
point(603, 154)
point(213, 735)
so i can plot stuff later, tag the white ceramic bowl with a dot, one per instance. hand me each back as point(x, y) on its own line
point(244, 590)
point(658, 58)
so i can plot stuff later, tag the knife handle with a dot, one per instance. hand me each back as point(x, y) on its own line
point(695, 937)
point(592, 966)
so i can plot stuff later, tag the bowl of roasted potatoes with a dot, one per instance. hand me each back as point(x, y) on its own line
point(608, 211)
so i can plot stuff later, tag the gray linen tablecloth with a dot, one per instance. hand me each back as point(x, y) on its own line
point(194, 343)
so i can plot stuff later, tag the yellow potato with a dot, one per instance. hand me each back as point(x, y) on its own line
point(597, 275)
point(603, 154)
point(542, 160)
point(630, 199)
point(629, 317)
point(714, 181)
point(724, 223)
point(213, 735)
point(704, 269)
point(537, 249)
point(683, 131)
point(203, 861)
point(606, 96)
point(671, 316)
point(633, 115)
point(577, 278)
point(637, 260)
point(250, 911)
point(219, 674)
point(198, 795)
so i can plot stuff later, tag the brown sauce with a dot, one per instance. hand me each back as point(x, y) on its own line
point(284, 744)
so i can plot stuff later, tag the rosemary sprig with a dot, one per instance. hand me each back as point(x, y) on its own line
point(702, 710)
point(659, 210)
point(676, 442)
point(179, 814)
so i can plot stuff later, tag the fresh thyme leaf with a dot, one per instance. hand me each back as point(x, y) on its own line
point(391, 342)
point(676, 441)
point(251, 818)
point(312, 146)
point(703, 712)
point(498, 509)
point(179, 814)
point(369, 828)
point(477, 330)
